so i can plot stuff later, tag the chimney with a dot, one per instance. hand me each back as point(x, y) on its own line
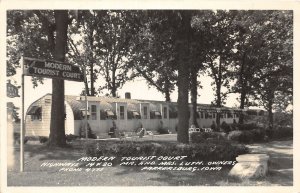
point(127, 95)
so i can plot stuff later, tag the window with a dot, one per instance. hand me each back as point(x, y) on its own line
point(133, 115)
point(155, 115)
point(122, 112)
point(107, 114)
point(229, 115)
point(202, 115)
point(165, 112)
point(214, 115)
point(145, 113)
point(206, 115)
point(94, 112)
point(35, 112)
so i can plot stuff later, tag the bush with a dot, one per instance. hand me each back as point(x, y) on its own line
point(161, 130)
point(71, 137)
point(17, 138)
point(281, 133)
point(234, 135)
point(199, 137)
point(213, 126)
point(202, 151)
point(43, 139)
point(259, 135)
point(247, 136)
point(248, 126)
point(225, 127)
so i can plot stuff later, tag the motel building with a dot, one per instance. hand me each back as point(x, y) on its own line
point(128, 114)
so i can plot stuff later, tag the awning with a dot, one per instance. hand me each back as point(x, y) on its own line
point(157, 113)
point(84, 112)
point(34, 110)
point(110, 113)
point(135, 113)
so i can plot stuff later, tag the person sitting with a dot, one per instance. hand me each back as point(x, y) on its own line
point(142, 131)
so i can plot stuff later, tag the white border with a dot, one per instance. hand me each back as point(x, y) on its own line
point(147, 4)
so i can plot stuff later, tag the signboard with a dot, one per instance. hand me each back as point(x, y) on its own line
point(51, 69)
point(11, 90)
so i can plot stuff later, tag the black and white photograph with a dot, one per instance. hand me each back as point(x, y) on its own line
point(149, 97)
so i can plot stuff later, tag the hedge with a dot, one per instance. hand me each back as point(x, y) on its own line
point(207, 151)
point(202, 137)
point(247, 136)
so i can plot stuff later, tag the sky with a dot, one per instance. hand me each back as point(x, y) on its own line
point(138, 89)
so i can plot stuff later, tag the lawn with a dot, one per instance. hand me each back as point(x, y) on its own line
point(36, 154)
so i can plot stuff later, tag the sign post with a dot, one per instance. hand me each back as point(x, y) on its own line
point(86, 104)
point(22, 129)
point(47, 69)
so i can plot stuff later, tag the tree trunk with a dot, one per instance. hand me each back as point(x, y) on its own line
point(86, 87)
point(113, 84)
point(92, 64)
point(270, 114)
point(242, 106)
point(243, 88)
point(167, 95)
point(92, 80)
point(218, 85)
point(194, 87)
point(57, 124)
point(218, 117)
point(182, 48)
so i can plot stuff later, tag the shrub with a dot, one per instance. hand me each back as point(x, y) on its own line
point(161, 130)
point(281, 133)
point(17, 138)
point(199, 137)
point(259, 135)
point(248, 126)
point(213, 126)
point(202, 151)
point(234, 135)
point(71, 137)
point(225, 127)
point(247, 136)
point(43, 139)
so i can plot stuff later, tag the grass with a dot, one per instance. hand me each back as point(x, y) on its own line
point(35, 175)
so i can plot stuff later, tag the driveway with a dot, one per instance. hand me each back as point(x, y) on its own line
point(281, 160)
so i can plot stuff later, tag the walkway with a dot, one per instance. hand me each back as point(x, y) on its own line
point(281, 160)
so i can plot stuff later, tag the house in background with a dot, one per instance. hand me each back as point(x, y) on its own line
point(128, 114)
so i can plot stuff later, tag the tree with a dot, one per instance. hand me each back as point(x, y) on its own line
point(217, 27)
point(275, 79)
point(29, 34)
point(153, 52)
point(249, 27)
point(57, 125)
point(82, 49)
point(41, 34)
point(113, 42)
point(166, 48)
point(182, 48)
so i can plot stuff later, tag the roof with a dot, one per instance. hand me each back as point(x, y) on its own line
point(109, 99)
point(76, 106)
